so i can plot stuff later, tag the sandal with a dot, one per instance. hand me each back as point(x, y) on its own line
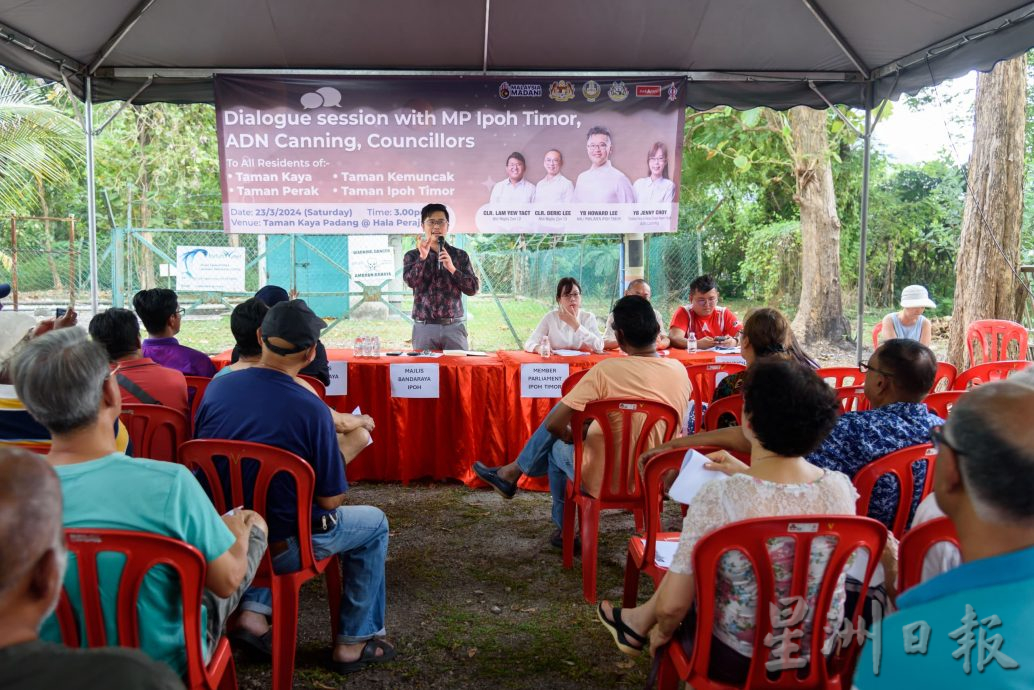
point(260, 645)
point(624, 636)
point(367, 657)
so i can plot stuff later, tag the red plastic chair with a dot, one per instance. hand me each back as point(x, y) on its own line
point(899, 464)
point(196, 387)
point(839, 377)
point(730, 404)
point(876, 334)
point(316, 384)
point(915, 545)
point(155, 430)
point(143, 552)
point(704, 379)
point(941, 403)
point(852, 399)
point(986, 373)
point(571, 381)
point(628, 494)
point(944, 379)
point(642, 549)
point(268, 461)
point(751, 538)
point(986, 334)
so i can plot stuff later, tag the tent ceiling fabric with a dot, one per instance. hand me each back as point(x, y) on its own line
point(765, 38)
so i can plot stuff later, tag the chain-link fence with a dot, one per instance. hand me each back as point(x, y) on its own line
point(40, 257)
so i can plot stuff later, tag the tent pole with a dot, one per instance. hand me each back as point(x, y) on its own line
point(91, 200)
point(867, 138)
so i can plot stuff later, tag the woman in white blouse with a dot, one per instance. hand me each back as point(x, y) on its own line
point(567, 326)
point(655, 188)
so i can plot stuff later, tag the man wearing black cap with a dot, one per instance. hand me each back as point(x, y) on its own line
point(290, 417)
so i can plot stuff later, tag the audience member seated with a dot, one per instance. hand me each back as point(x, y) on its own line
point(140, 379)
point(157, 497)
point(642, 288)
point(353, 431)
point(982, 480)
point(712, 325)
point(272, 295)
point(897, 378)
point(568, 327)
point(643, 375)
point(910, 323)
point(32, 565)
point(941, 557)
point(160, 312)
point(787, 411)
point(293, 419)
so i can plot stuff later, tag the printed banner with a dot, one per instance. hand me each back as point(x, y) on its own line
point(371, 261)
point(209, 269)
point(543, 380)
point(349, 156)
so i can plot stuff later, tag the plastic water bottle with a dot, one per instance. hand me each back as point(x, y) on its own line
point(376, 346)
point(544, 348)
point(691, 342)
point(359, 349)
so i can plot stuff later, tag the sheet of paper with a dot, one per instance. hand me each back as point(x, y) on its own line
point(543, 380)
point(338, 378)
point(729, 359)
point(857, 568)
point(357, 412)
point(693, 477)
point(417, 380)
point(570, 353)
point(464, 353)
point(665, 553)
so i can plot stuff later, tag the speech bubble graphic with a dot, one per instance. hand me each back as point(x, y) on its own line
point(331, 96)
point(311, 100)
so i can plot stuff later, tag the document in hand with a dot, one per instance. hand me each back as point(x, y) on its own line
point(357, 412)
point(693, 477)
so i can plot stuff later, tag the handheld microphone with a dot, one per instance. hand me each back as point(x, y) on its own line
point(441, 248)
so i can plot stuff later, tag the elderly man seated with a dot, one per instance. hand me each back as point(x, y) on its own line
point(969, 626)
point(32, 569)
point(140, 379)
point(642, 288)
point(291, 418)
point(897, 378)
point(105, 488)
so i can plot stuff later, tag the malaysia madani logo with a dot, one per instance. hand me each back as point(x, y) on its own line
point(561, 91)
point(508, 90)
point(618, 91)
point(591, 90)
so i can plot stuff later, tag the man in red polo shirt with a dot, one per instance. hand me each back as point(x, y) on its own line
point(140, 379)
point(712, 325)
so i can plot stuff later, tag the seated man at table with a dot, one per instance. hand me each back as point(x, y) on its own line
point(103, 488)
point(712, 325)
point(643, 375)
point(160, 312)
point(642, 288)
point(140, 379)
point(353, 431)
point(32, 570)
point(897, 378)
point(982, 481)
point(293, 419)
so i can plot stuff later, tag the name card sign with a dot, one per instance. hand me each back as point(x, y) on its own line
point(338, 378)
point(414, 380)
point(543, 380)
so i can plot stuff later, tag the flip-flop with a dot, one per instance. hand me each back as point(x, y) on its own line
point(368, 656)
point(623, 635)
point(261, 645)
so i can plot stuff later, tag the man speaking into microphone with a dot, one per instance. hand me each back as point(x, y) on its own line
point(438, 273)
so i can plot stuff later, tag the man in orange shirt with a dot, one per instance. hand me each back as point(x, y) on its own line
point(712, 325)
point(140, 379)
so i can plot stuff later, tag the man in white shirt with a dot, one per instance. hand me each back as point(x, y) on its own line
point(642, 288)
point(602, 183)
point(514, 189)
point(554, 188)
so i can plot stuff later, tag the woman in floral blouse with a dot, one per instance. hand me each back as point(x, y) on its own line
point(787, 412)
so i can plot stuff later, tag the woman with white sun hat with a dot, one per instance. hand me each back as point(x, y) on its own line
point(909, 322)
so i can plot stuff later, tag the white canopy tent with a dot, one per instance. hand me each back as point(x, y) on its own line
point(742, 53)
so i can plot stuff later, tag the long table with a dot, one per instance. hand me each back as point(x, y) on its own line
point(479, 413)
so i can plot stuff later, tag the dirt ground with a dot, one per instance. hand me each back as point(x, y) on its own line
point(477, 598)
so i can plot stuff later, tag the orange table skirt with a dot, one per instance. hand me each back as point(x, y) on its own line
point(479, 414)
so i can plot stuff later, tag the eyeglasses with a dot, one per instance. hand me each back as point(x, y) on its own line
point(597, 147)
point(939, 438)
point(863, 367)
point(180, 312)
point(113, 372)
point(436, 223)
point(658, 159)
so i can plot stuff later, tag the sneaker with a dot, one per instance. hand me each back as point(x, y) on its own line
point(490, 476)
point(556, 540)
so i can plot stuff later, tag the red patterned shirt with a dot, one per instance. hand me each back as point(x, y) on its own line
point(436, 292)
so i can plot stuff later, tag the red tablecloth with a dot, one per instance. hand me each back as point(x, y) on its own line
point(479, 414)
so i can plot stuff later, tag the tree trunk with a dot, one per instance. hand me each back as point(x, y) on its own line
point(48, 237)
point(820, 315)
point(985, 287)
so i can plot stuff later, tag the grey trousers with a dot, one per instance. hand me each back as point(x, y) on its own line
point(220, 608)
point(431, 336)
